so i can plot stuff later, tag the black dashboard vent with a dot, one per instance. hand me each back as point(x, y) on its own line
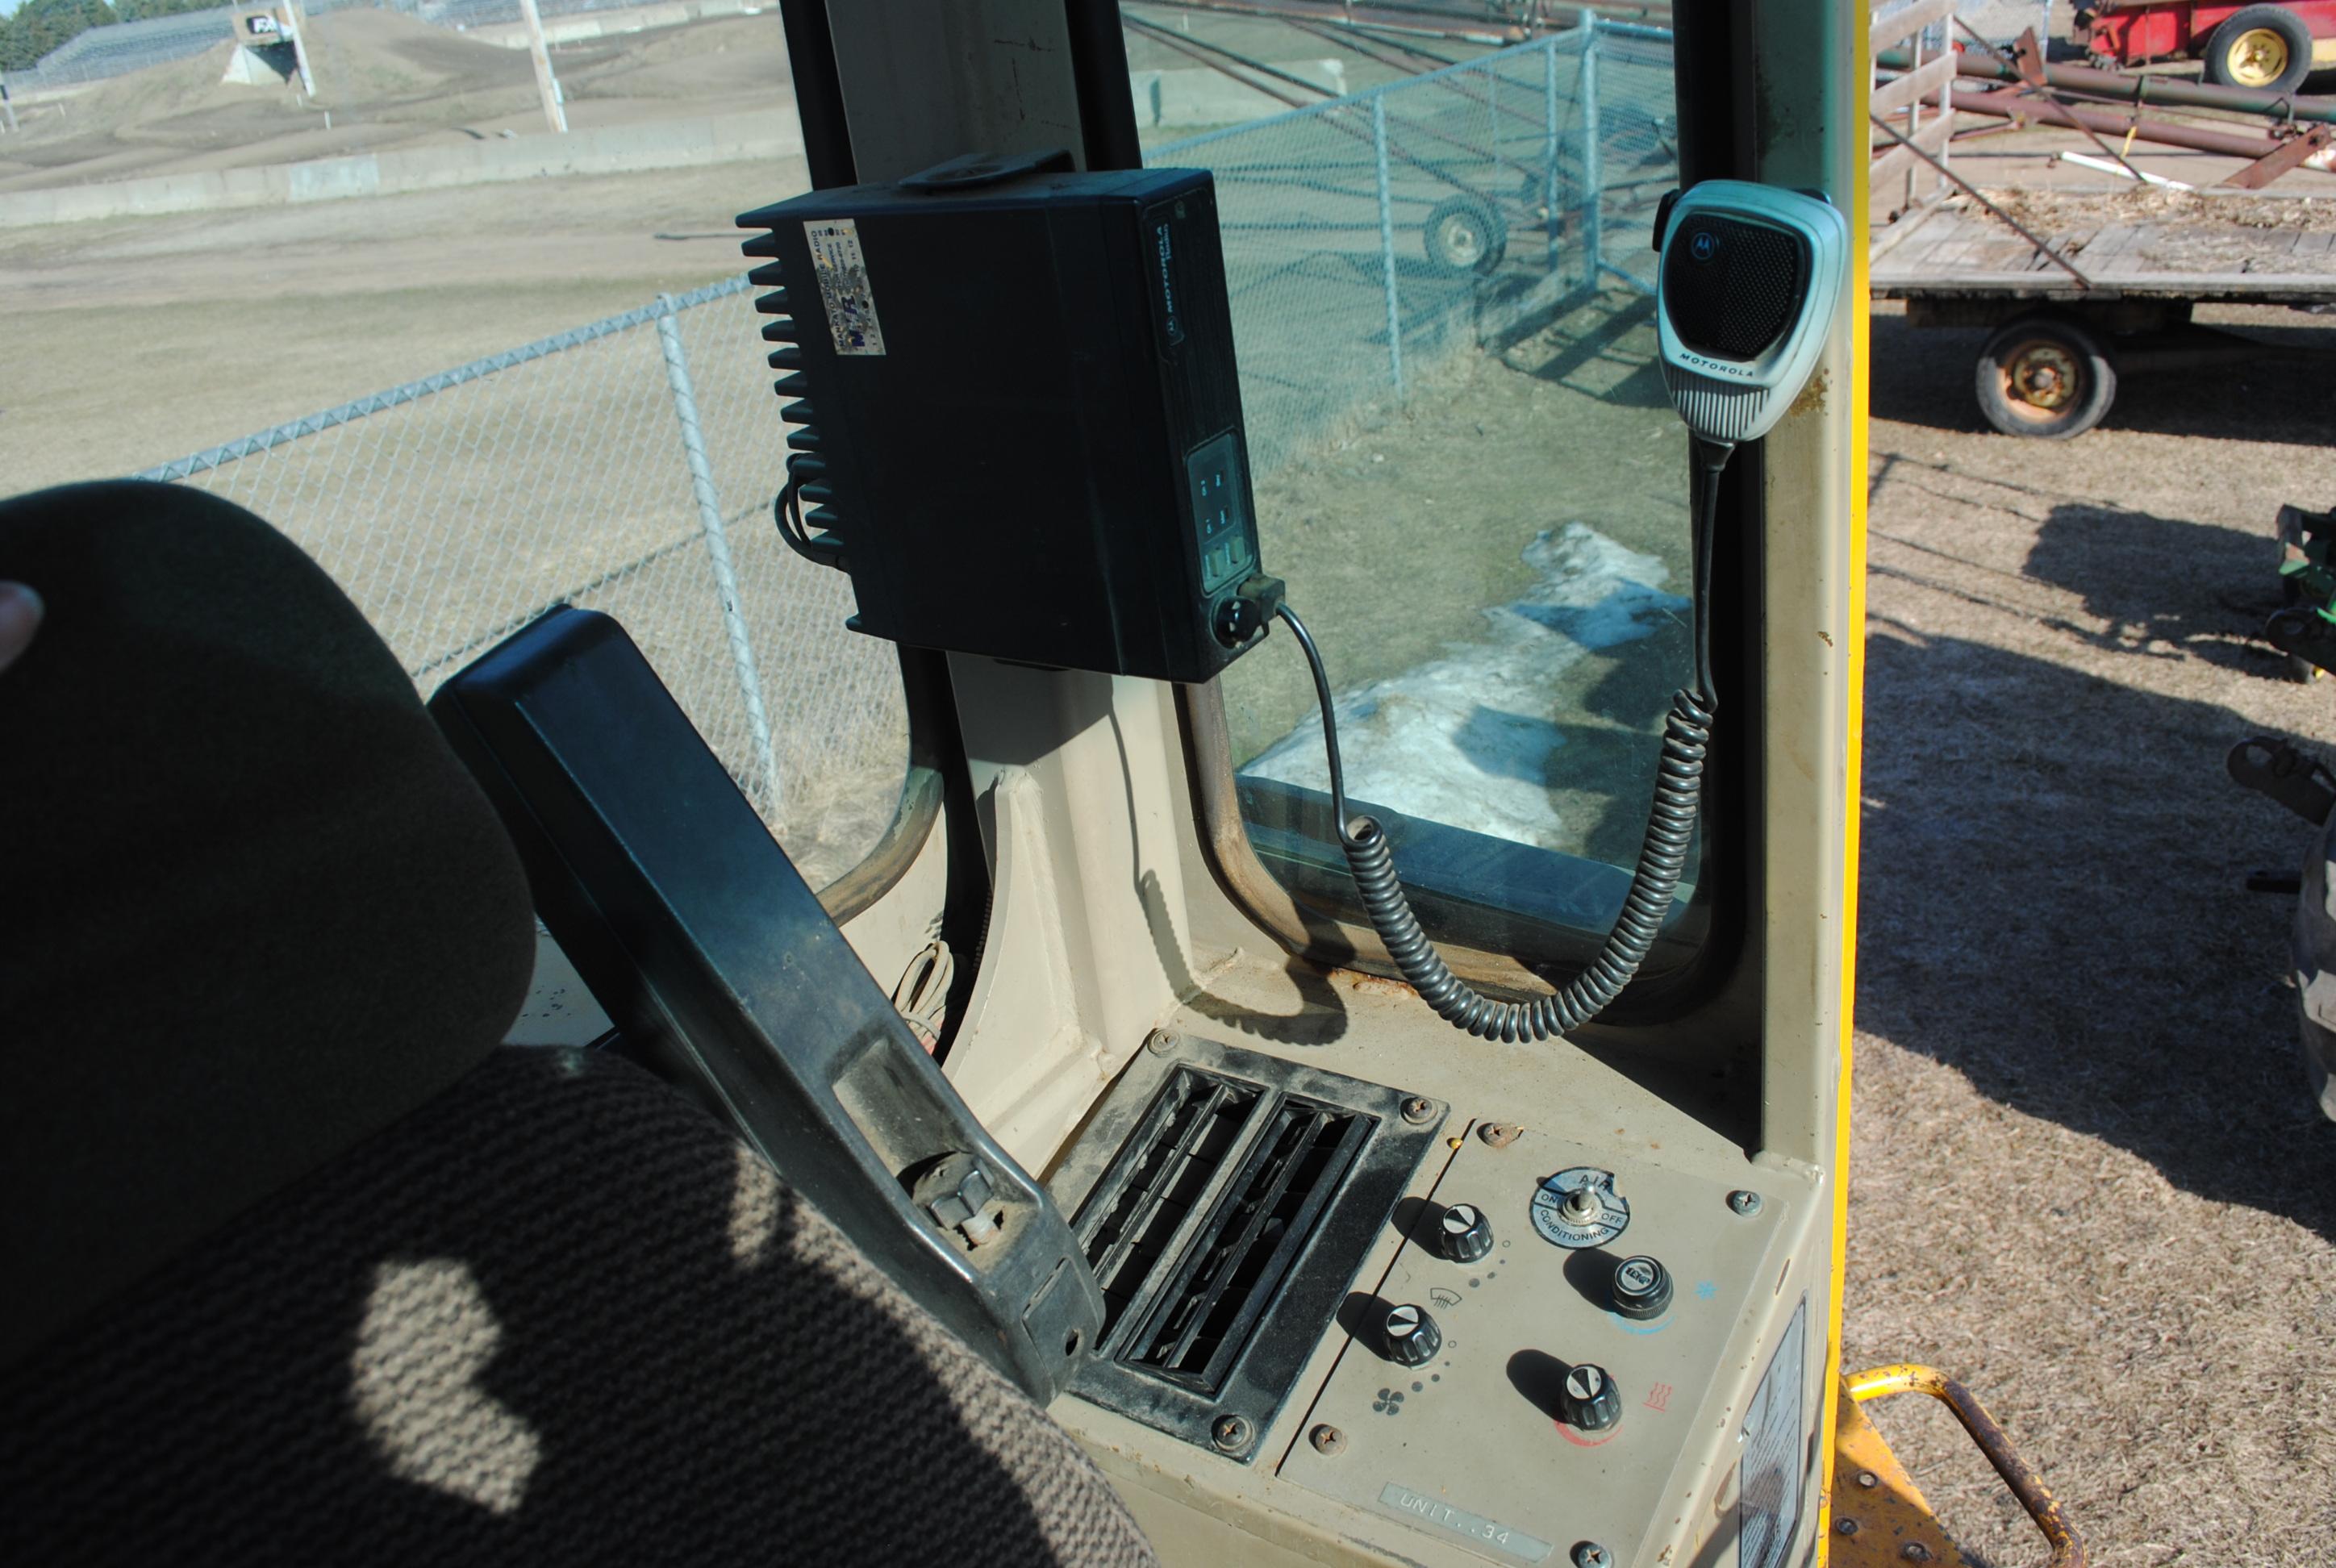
point(1210, 1302)
point(1225, 1201)
point(1167, 1167)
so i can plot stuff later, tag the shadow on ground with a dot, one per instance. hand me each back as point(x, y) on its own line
point(1925, 376)
point(2206, 593)
point(2062, 918)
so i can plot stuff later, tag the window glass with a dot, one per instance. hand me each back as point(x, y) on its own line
point(1467, 471)
point(475, 365)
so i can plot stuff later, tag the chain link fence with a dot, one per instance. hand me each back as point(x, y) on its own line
point(630, 466)
point(121, 47)
point(627, 466)
point(1370, 235)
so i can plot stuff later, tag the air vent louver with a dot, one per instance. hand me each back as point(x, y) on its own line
point(1175, 1154)
point(1255, 1232)
point(1225, 1202)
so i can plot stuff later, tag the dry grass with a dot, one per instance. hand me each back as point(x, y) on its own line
point(2062, 211)
point(2085, 1175)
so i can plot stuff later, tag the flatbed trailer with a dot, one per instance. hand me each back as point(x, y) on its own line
point(2111, 291)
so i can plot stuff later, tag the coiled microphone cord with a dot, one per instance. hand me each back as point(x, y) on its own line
point(1662, 857)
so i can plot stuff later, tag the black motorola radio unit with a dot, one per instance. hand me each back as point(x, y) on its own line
point(1018, 424)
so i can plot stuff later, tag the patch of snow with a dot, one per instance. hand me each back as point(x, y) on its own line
point(1466, 739)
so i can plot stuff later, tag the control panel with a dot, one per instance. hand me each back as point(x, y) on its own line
point(1530, 1379)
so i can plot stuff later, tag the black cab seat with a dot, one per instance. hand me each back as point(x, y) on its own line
point(304, 1265)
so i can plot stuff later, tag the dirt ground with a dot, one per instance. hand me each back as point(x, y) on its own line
point(2086, 1176)
point(385, 80)
point(130, 341)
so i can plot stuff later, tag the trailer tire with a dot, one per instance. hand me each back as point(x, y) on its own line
point(2045, 378)
point(1466, 234)
point(2264, 48)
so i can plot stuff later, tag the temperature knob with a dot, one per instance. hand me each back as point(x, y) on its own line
point(1591, 1399)
point(1411, 1336)
point(1464, 1234)
point(1642, 1289)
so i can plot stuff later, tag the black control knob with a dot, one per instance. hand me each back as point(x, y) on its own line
point(1591, 1401)
point(1642, 1289)
point(1411, 1336)
point(1464, 1234)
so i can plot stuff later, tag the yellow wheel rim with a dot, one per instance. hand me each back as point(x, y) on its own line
point(2041, 380)
point(2257, 57)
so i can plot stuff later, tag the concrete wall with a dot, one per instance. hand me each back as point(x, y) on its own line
point(601, 24)
point(615, 149)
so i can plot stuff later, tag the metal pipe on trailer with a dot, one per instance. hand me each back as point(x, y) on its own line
point(2116, 85)
point(2003, 103)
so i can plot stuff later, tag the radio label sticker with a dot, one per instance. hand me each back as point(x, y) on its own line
point(843, 285)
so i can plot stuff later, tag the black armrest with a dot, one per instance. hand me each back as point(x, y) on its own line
point(697, 937)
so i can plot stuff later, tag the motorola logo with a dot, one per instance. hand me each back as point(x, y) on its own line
point(1703, 245)
point(1715, 368)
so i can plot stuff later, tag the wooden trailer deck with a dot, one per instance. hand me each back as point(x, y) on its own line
point(2146, 257)
point(2251, 251)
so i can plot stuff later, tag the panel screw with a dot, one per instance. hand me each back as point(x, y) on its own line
point(1868, 1478)
point(1499, 1134)
point(1327, 1439)
point(1747, 1205)
point(1915, 1551)
point(1845, 1526)
point(1589, 1554)
point(1231, 1433)
point(1162, 1042)
point(1418, 1109)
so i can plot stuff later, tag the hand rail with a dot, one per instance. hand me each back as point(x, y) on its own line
point(1880, 1382)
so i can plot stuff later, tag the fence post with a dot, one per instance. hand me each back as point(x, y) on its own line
point(1386, 240)
point(1594, 172)
point(717, 547)
point(1549, 144)
point(1492, 124)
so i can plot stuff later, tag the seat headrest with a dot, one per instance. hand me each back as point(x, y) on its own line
point(256, 910)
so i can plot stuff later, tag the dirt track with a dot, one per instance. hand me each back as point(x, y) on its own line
point(385, 80)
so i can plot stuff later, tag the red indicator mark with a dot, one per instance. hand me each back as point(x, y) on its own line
point(1587, 1439)
point(1659, 1397)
